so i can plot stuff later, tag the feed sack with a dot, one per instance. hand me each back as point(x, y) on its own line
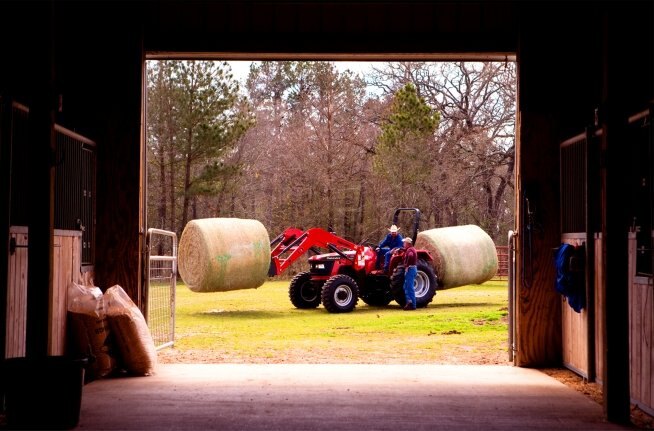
point(462, 254)
point(130, 330)
point(221, 254)
point(88, 330)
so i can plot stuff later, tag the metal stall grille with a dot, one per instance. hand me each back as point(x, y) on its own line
point(75, 188)
point(19, 165)
point(573, 185)
point(160, 285)
point(75, 166)
point(642, 151)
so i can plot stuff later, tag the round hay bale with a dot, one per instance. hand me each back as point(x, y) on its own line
point(462, 254)
point(221, 254)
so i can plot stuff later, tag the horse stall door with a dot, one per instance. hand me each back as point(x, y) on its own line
point(66, 268)
point(641, 262)
point(578, 210)
point(16, 293)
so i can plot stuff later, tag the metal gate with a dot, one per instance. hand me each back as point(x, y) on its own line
point(160, 285)
point(502, 262)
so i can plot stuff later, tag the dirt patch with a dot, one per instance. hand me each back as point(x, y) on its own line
point(594, 391)
point(456, 355)
point(576, 382)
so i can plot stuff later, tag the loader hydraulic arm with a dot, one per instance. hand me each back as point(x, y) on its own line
point(293, 243)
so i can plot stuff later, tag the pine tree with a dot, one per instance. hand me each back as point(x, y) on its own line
point(406, 145)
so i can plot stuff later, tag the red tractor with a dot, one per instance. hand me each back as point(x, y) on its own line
point(349, 272)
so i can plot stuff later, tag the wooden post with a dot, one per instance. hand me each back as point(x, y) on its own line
point(41, 143)
point(615, 228)
point(5, 192)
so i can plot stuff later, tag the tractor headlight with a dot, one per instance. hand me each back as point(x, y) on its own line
point(319, 265)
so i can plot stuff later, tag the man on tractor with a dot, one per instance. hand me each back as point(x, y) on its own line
point(385, 248)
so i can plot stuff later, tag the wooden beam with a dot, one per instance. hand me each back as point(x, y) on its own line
point(41, 188)
point(614, 230)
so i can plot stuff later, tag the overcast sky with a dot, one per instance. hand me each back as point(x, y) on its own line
point(241, 68)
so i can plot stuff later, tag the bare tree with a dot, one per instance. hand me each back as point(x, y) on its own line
point(310, 111)
point(474, 162)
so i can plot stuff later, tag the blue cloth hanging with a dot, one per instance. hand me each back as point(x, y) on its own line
point(570, 279)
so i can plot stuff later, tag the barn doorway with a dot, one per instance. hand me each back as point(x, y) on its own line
point(280, 169)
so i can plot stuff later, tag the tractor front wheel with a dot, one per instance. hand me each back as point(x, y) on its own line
point(303, 292)
point(340, 294)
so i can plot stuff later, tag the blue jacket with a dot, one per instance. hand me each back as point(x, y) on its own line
point(391, 242)
point(570, 281)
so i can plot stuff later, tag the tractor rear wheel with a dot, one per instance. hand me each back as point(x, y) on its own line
point(303, 292)
point(340, 294)
point(424, 284)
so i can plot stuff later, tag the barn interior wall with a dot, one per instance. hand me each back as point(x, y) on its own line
point(559, 77)
point(564, 54)
point(101, 82)
point(587, 66)
point(97, 60)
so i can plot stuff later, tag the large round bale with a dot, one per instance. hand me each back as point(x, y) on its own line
point(221, 254)
point(462, 254)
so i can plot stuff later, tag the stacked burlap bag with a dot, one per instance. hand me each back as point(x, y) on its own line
point(138, 354)
point(89, 334)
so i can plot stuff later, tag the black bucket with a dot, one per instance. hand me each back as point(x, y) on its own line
point(43, 392)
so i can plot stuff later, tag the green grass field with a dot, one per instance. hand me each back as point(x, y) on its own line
point(464, 325)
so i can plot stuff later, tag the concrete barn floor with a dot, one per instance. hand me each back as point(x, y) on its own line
point(338, 397)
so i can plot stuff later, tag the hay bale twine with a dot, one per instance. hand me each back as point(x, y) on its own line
point(221, 254)
point(462, 254)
